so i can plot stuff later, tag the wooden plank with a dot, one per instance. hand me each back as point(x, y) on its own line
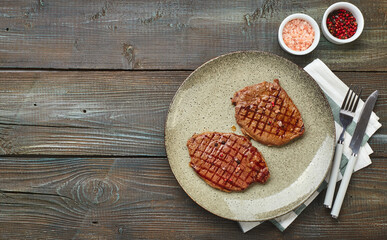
point(133, 198)
point(170, 34)
point(107, 112)
point(85, 113)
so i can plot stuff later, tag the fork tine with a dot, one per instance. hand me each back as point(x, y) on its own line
point(349, 101)
point(353, 99)
point(346, 97)
point(357, 101)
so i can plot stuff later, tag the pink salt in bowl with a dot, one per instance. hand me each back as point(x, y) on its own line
point(298, 34)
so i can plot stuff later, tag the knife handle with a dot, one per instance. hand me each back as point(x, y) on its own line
point(343, 186)
point(334, 174)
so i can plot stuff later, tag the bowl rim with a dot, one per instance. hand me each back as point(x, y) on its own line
point(354, 10)
point(311, 21)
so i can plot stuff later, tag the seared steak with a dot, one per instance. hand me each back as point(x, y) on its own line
point(226, 161)
point(267, 114)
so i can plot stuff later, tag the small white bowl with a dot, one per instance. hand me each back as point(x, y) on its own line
point(355, 12)
point(314, 25)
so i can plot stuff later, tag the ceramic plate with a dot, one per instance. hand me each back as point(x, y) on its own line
point(202, 103)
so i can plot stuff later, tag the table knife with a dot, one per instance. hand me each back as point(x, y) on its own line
point(355, 144)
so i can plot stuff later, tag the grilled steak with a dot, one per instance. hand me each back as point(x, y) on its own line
point(226, 161)
point(267, 114)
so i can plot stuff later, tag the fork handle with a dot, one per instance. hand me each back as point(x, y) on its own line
point(333, 177)
point(343, 186)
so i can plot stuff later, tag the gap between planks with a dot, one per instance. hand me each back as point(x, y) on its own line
point(134, 70)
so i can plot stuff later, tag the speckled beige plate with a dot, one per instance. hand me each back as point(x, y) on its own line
point(203, 103)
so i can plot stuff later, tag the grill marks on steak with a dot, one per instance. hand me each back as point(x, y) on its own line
point(226, 161)
point(267, 114)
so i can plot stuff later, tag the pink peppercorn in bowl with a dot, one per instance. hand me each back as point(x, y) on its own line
point(345, 23)
point(298, 34)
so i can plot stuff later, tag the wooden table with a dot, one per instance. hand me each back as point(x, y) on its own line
point(85, 87)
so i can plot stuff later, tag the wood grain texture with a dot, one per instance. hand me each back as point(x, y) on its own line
point(107, 34)
point(97, 198)
point(121, 198)
point(109, 113)
point(82, 152)
point(85, 113)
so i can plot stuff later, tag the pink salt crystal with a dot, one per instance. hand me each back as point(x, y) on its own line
point(298, 35)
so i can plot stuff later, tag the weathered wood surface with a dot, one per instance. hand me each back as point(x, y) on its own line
point(85, 113)
point(82, 152)
point(109, 113)
point(139, 198)
point(107, 34)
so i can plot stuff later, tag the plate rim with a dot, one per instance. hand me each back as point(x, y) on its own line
point(326, 103)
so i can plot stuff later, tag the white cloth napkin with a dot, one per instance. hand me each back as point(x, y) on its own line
point(335, 91)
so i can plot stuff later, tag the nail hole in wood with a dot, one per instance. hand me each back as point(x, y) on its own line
point(35, 104)
point(7, 29)
point(94, 222)
point(84, 111)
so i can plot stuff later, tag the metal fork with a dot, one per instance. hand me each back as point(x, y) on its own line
point(347, 112)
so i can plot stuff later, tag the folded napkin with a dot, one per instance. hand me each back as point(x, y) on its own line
point(335, 91)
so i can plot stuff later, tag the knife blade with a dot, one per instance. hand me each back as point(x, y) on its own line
point(355, 144)
point(361, 125)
